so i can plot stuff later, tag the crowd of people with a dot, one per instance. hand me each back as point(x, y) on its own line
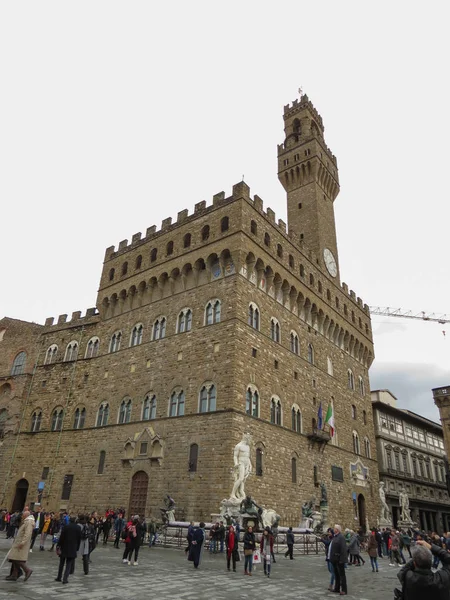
point(73, 536)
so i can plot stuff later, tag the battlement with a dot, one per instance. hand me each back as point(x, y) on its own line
point(75, 320)
point(304, 102)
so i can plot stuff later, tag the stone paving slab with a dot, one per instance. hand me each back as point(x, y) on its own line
point(164, 573)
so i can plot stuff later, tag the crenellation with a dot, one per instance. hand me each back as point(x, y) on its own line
point(200, 206)
point(258, 203)
point(270, 215)
point(91, 312)
point(282, 225)
point(136, 238)
point(49, 321)
point(241, 190)
point(62, 319)
point(109, 252)
point(352, 295)
point(150, 231)
point(218, 198)
point(123, 244)
point(345, 288)
point(166, 223)
point(76, 316)
point(359, 301)
point(182, 216)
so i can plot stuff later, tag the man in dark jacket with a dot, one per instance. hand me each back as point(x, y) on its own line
point(290, 544)
point(418, 580)
point(338, 557)
point(69, 544)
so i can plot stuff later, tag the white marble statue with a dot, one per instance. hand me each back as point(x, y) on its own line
point(242, 466)
point(405, 514)
point(385, 512)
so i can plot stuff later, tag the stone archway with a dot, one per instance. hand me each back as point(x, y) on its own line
point(21, 495)
point(362, 512)
point(138, 494)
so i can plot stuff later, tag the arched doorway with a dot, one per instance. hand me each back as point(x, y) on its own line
point(21, 495)
point(362, 511)
point(138, 495)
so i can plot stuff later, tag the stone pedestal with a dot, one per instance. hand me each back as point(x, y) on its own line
point(229, 510)
point(406, 524)
point(385, 523)
point(324, 513)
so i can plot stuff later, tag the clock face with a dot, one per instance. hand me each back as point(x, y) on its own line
point(330, 262)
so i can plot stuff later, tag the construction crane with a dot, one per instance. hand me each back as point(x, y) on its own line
point(409, 314)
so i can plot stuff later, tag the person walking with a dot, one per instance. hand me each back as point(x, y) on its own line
point(327, 539)
point(45, 530)
point(198, 539)
point(249, 548)
point(266, 547)
point(231, 543)
point(354, 549)
point(38, 524)
point(18, 555)
point(406, 540)
point(380, 543)
point(394, 546)
point(372, 547)
point(338, 557)
point(152, 533)
point(290, 544)
point(69, 544)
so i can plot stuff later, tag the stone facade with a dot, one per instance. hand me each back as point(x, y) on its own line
point(441, 397)
point(411, 455)
point(230, 323)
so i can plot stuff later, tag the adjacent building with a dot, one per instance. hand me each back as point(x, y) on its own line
point(411, 455)
point(222, 322)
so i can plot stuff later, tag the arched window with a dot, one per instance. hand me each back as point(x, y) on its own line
point(71, 351)
point(328, 295)
point(295, 344)
point(310, 354)
point(36, 421)
point(92, 347)
point(311, 279)
point(111, 274)
point(103, 414)
point(364, 415)
point(207, 400)
point(252, 402)
point(101, 463)
point(114, 344)
point(205, 233)
point(153, 254)
point(136, 335)
point(224, 224)
point(330, 366)
point(193, 458)
point(57, 419)
point(169, 248)
point(319, 287)
point(125, 411)
point(302, 271)
point(159, 328)
point(138, 263)
point(362, 388)
point(279, 251)
point(275, 332)
point(353, 411)
point(212, 312)
point(267, 240)
point(50, 355)
point(18, 366)
point(149, 407)
point(253, 227)
point(367, 449)
point(124, 268)
point(253, 316)
point(259, 462)
point(350, 380)
point(184, 322)
point(177, 401)
point(296, 128)
point(79, 418)
point(275, 411)
point(187, 240)
point(291, 261)
point(294, 469)
point(356, 448)
point(296, 419)
point(3, 419)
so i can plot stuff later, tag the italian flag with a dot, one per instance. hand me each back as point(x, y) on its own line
point(329, 419)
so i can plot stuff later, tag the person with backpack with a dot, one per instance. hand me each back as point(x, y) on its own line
point(119, 526)
point(87, 535)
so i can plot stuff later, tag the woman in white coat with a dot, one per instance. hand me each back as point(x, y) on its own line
point(18, 554)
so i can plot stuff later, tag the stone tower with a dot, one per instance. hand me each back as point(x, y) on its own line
point(307, 169)
point(441, 398)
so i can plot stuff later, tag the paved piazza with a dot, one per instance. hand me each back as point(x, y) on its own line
point(164, 573)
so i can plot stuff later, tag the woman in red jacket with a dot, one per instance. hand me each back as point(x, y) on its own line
point(266, 546)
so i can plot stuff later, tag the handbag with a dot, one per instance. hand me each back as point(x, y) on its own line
point(248, 552)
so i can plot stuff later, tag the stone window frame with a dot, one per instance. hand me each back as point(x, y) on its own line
point(187, 240)
point(253, 227)
point(152, 406)
point(184, 320)
point(111, 274)
point(205, 233)
point(311, 354)
point(259, 459)
point(295, 342)
point(177, 399)
point(193, 457)
point(136, 335)
point(124, 412)
point(210, 309)
point(276, 411)
point(211, 401)
point(254, 316)
point(275, 330)
point(138, 262)
point(224, 224)
point(330, 367)
point(354, 412)
point(36, 420)
point(124, 269)
point(356, 443)
point(103, 409)
point(350, 380)
point(79, 417)
point(92, 347)
point(296, 417)
point(361, 386)
point(367, 449)
point(115, 341)
point(294, 471)
point(57, 418)
point(159, 328)
point(101, 462)
point(71, 352)
point(51, 354)
point(251, 401)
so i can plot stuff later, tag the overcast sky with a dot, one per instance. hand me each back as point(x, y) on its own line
point(115, 115)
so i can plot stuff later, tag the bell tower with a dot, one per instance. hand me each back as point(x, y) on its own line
point(308, 171)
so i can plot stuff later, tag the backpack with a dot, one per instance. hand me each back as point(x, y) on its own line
point(84, 532)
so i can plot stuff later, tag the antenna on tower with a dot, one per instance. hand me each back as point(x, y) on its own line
point(300, 91)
